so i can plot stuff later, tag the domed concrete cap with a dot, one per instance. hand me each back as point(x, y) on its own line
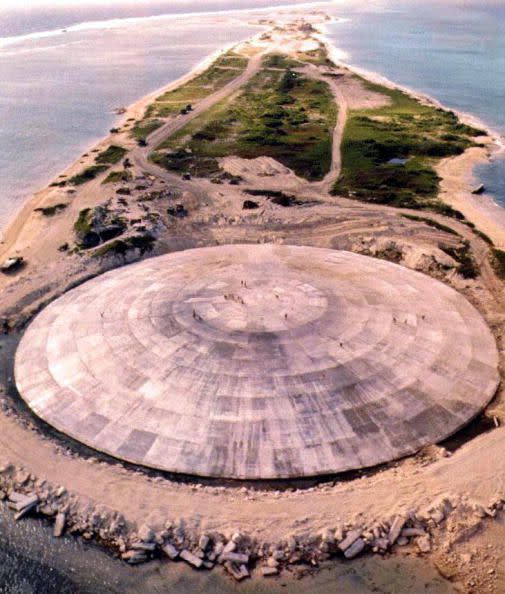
point(258, 362)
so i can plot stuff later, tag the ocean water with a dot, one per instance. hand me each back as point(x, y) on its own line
point(57, 93)
point(452, 50)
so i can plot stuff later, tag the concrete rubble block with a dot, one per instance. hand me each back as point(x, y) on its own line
point(410, 532)
point(424, 543)
point(134, 557)
point(18, 501)
point(381, 543)
point(193, 560)
point(229, 547)
point(236, 557)
point(396, 528)
point(146, 533)
point(59, 524)
point(170, 551)
point(204, 542)
point(144, 546)
point(355, 549)
point(239, 572)
point(349, 539)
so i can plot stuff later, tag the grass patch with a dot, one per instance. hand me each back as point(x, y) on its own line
point(219, 74)
point(468, 267)
point(88, 174)
point(115, 177)
point(84, 222)
point(318, 56)
point(280, 61)
point(279, 114)
point(405, 129)
point(112, 155)
point(50, 211)
point(498, 262)
point(431, 223)
point(142, 129)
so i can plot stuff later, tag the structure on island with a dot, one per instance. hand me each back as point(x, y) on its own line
point(258, 362)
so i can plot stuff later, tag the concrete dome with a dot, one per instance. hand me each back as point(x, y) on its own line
point(258, 361)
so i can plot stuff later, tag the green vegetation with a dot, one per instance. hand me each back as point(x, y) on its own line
point(219, 74)
point(49, 211)
point(279, 114)
point(142, 129)
point(280, 61)
point(412, 133)
point(468, 267)
point(483, 236)
point(112, 155)
point(115, 177)
point(319, 57)
point(431, 223)
point(87, 174)
point(84, 222)
point(120, 247)
point(498, 262)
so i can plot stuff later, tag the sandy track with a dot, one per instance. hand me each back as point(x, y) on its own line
point(140, 155)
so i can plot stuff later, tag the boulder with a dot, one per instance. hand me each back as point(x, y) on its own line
point(191, 559)
point(355, 549)
point(350, 538)
point(59, 524)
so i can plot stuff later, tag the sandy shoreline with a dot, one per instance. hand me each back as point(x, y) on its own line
point(457, 173)
point(458, 179)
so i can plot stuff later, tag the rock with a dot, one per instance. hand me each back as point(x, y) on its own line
point(59, 524)
point(381, 543)
point(238, 558)
point(12, 264)
point(204, 541)
point(146, 533)
point(25, 511)
point(239, 572)
point(269, 571)
point(350, 538)
point(18, 501)
point(438, 516)
point(424, 544)
point(479, 190)
point(271, 562)
point(395, 530)
point(230, 547)
point(191, 559)
point(250, 205)
point(218, 548)
point(5, 467)
point(134, 557)
point(143, 546)
point(170, 551)
point(402, 541)
point(409, 532)
point(355, 549)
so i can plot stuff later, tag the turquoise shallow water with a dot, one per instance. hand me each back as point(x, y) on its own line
point(452, 51)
